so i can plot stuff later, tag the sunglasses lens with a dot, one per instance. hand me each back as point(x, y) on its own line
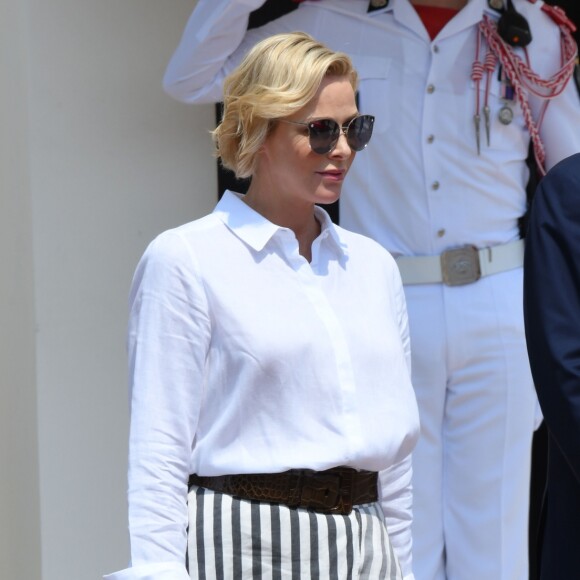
point(324, 134)
point(360, 132)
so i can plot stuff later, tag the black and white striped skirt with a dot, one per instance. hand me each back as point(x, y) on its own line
point(238, 539)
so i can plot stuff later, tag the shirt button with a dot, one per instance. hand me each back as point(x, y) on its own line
point(431, 138)
point(441, 233)
point(435, 49)
point(435, 185)
point(431, 89)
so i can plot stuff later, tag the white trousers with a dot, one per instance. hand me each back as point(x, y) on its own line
point(235, 539)
point(477, 406)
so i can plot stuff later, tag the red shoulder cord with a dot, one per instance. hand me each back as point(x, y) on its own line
point(523, 79)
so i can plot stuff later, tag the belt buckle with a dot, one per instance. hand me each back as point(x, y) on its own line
point(329, 493)
point(344, 504)
point(460, 266)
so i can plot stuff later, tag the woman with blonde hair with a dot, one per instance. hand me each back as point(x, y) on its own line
point(272, 414)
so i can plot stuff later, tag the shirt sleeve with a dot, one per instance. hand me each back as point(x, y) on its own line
point(200, 63)
point(396, 502)
point(403, 317)
point(158, 571)
point(168, 338)
point(395, 482)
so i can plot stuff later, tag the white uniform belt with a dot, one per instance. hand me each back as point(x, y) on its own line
point(462, 265)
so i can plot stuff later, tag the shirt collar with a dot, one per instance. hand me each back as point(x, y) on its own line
point(256, 231)
point(328, 230)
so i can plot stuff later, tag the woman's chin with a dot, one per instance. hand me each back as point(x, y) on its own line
point(328, 195)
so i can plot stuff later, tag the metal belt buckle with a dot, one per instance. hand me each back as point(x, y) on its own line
point(460, 266)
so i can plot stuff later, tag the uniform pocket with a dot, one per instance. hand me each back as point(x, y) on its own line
point(374, 88)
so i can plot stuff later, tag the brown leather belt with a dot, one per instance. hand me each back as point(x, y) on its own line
point(334, 491)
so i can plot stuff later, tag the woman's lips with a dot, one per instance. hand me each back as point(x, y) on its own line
point(333, 174)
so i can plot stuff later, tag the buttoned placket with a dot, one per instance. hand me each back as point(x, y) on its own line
point(434, 185)
point(309, 277)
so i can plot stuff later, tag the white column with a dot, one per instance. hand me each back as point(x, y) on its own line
point(19, 499)
point(94, 162)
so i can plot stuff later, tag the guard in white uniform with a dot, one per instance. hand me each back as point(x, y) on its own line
point(446, 169)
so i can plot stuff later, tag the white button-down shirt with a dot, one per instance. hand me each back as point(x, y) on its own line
point(246, 358)
point(421, 187)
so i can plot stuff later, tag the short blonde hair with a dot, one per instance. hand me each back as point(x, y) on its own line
point(278, 77)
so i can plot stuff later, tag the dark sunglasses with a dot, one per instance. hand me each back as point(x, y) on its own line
point(324, 133)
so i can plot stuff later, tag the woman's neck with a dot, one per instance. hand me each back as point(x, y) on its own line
point(299, 218)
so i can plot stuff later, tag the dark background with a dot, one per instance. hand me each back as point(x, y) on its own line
point(275, 8)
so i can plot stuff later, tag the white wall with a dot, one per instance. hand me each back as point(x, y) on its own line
point(110, 161)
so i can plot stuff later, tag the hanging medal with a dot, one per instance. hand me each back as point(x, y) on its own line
point(506, 113)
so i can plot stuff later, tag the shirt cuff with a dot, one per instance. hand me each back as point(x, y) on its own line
point(156, 571)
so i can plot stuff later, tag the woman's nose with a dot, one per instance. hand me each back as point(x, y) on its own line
point(342, 148)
